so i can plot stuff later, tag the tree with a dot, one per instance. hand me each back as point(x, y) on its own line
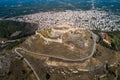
point(47, 76)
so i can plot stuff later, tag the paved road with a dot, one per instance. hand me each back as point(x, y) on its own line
point(6, 43)
point(10, 41)
point(84, 70)
point(28, 64)
point(65, 59)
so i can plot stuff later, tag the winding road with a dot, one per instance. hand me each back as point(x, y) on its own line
point(64, 59)
point(28, 64)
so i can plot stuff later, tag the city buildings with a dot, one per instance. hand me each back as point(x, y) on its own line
point(91, 19)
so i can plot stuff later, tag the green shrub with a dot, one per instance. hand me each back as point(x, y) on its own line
point(115, 40)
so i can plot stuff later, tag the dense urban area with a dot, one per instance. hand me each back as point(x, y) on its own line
point(91, 19)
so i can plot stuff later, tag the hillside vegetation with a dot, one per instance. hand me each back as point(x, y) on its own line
point(15, 30)
point(115, 40)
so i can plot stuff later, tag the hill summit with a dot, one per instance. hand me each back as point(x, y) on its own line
point(64, 42)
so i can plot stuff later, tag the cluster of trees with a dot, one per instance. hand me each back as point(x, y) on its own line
point(7, 28)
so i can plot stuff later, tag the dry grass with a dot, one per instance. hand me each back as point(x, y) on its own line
point(73, 46)
point(60, 72)
point(105, 55)
point(19, 71)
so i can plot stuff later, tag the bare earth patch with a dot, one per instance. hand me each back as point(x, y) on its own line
point(62, 42)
